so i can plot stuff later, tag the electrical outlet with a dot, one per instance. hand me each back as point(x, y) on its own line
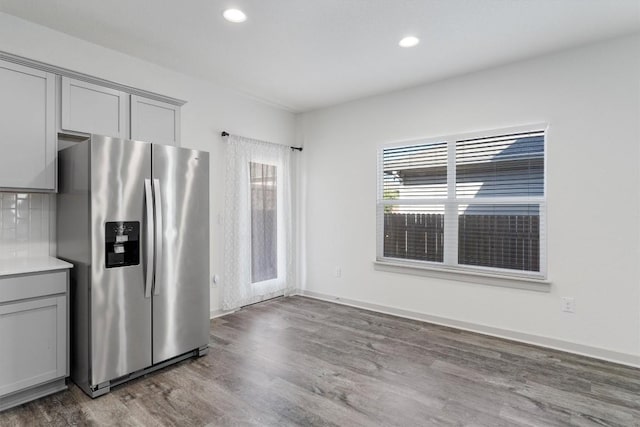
point(568, 304)
point(338, 272)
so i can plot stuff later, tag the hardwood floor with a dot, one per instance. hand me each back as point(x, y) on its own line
point(299, 361)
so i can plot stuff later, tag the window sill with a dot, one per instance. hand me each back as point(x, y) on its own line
point(507, 281)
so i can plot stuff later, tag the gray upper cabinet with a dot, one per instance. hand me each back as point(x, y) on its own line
point(154, 121)
point(27, 129)
point(90, 108)
point(38, 100)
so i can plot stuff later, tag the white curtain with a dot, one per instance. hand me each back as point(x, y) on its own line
point(242, 157)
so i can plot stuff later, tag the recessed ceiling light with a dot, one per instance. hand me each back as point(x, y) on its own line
point(234, 15)
point(409, 41)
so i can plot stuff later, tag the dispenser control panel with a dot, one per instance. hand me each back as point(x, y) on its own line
point(122, 243)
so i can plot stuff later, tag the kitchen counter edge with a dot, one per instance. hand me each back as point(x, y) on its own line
point(13, 266)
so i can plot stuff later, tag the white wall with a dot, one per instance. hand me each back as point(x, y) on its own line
point(210, 108)
point(591, 98)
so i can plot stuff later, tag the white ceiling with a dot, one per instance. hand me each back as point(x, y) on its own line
point(306, 54)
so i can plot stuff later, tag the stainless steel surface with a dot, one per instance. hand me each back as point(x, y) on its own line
point(148, 253)
point(117, 332)
point(159, 259)
point(73, 232)
point(181, 310)
point(120, 314)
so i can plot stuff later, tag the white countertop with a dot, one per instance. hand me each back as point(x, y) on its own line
point(9, 266)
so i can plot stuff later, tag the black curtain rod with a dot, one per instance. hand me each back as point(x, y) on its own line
point(293, 148)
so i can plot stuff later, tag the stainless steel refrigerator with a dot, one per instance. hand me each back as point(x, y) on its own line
point(133, 218)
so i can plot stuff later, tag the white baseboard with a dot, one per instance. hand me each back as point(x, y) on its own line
point(542, 341)
point(219, 313)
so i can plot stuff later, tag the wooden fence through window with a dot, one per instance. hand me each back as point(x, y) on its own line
point(500, 241)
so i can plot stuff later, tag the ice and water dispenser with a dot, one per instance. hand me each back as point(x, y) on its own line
point(122, 243)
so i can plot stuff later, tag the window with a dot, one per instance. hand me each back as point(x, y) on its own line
point(264, 222)
point(472, 202)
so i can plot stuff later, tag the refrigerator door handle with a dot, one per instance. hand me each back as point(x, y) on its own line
point(158, 224)
point(148, 283)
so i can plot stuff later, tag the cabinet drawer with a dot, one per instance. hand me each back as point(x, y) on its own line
point(37, 333)
point(33, 285)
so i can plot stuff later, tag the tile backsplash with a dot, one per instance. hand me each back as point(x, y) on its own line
point(25, 224)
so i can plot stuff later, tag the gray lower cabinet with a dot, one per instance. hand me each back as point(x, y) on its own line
point(34, 336)
point(90, 108)
point(27, 129)
point(154, 121)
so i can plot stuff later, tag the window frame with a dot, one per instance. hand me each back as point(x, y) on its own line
point(452, 202)
point(280, 229)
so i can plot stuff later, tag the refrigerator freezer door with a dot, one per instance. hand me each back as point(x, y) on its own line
point(120, 313)
point(181, 289)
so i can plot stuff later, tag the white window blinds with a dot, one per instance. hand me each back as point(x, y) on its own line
point(415, 172)
point(504, 166)
point(472, 202)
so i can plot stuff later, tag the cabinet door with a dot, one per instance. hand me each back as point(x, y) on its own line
point(27, 128)
point(154, 121)
point(90, 108)
point(37, 333)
